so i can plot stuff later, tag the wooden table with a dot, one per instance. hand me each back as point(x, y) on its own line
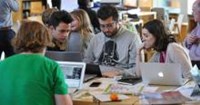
point(133, 100)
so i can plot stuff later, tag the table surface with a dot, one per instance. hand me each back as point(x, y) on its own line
point(87, 99)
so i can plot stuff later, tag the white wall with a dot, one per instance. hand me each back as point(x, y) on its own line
point(69, 5)
point(184, 9)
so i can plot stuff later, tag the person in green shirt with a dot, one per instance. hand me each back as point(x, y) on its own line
point(29, 78)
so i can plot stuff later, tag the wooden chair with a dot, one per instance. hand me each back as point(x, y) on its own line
point(175, 27)
point(160, 12)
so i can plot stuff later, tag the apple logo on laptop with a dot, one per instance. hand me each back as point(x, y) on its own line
point(160, 74)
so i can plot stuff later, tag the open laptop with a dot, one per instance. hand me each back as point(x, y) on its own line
point(74, 73)
point(64, 56)
point(92, 71)
point(161, 73)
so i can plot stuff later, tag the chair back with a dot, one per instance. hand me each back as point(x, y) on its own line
point(180, 20)
point(160, 13)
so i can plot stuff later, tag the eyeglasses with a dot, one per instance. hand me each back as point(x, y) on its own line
point(107, 26)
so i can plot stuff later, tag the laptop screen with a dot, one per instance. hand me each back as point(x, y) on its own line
point(73, 72)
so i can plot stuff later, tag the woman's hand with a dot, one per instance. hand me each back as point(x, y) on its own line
point(140, 48)
point(193, 39)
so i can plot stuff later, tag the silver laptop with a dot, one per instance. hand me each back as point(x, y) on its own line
point(161, 73)
point(74, 73)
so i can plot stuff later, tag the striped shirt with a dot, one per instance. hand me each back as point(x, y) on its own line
point(194, 49)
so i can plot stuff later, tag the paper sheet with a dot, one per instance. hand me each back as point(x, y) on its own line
point(106, 97)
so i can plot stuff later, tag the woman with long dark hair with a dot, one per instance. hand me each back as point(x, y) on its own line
point(155, 36)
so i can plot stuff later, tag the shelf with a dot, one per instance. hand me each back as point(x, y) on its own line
point(26, 1)
point(26, 10)
point(31, 7)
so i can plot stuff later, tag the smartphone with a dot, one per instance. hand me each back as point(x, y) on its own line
point(95, 84)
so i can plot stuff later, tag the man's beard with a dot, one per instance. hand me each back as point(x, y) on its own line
point(109, 36)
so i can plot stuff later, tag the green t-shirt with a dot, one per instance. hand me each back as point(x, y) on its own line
point(30, 79)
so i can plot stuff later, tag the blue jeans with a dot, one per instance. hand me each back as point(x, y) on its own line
point(5, 42)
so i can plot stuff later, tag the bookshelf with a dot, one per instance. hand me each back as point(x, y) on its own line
point(26, 4)
point(31, 7)
point(18, 15)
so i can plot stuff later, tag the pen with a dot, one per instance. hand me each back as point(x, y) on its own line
point(75, 91)
point(141, 89)
point(107, 88)
point(123, 83)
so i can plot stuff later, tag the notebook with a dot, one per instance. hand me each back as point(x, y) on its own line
point(161, 73)
point(64, 56)
point(74, 73)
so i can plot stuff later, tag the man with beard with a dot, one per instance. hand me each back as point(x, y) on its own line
point(115, 46)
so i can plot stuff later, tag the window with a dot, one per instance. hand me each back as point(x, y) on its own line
point(172, 6)
point(189, 5)
point(130, 3)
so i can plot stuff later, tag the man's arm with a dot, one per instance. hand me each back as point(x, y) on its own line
point(136, 43)
point(63, 100)
point(14, 5)
point(89, 57)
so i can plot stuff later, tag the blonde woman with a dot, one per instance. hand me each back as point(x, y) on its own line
point(81, 31)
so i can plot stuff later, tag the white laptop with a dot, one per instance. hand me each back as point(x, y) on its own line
point(74, 73)
point(161, 73)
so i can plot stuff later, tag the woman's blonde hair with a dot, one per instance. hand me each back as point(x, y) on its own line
point(85, 27)
point(31, 37)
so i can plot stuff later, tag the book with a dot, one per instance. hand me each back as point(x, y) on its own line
point(169, 97)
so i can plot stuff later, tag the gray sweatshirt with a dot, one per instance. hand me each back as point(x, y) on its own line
point(118, 51)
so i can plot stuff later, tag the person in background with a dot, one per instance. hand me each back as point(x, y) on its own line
point(115, 46)
point(47, 14)
point(6, 22)
point(55, 4)
point(59, 27)
point(154, 36)
point(81, 31)
point(85, 5)
point(29, 78)
point(44, 4)
point(192, 41)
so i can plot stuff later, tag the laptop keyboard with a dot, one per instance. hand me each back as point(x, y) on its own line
point(196, 91)
point(131, 80)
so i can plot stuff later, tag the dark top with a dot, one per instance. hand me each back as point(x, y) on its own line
point(55, 3)
point(44, 3)
point(93, 18)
